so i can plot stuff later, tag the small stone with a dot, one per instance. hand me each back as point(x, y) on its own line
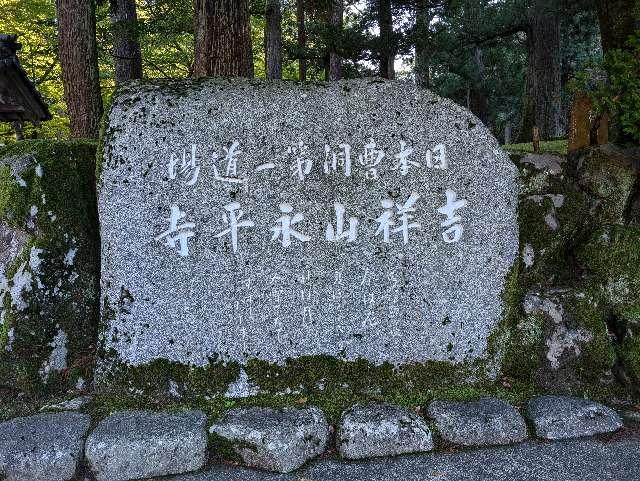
point(242, 387)
point(562, 417)
point(275, 440)
point(486, 422)
point(380, 430)
point(142, 444)
point(44, 447)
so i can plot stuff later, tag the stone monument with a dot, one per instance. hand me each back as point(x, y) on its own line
point(271, 220)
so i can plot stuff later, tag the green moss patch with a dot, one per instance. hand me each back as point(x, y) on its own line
point(52, 200)
point(611, 260)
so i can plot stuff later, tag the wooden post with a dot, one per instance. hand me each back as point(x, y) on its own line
point(536, 139)
point(507, 133)
point(586, 127)
point(17, 127)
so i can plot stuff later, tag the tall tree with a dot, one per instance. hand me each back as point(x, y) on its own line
point(334, 61)
point(478, 100)
point(618, 20)
point(79, 61)
point(127, 57)
point(542, 105)
point(302, 39)
point(222, 36)
point(387, 50)
point(273, 40)
point(423, 19)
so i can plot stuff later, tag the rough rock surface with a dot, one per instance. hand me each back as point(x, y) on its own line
point(489, 421)
point(561, 417)
point(569, 324)
point(140, 444)
point(49, 264)
point(44, 447)
point(275, 440)
point(381, 430)
point(245, 162)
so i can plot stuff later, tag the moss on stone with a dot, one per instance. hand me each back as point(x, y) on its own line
point(607, 174)
point(598, 355)
point(611, 260)
point(551, 223)
point(57, 179)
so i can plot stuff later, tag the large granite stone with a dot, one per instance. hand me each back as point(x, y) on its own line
point(44, 447)
point(140, 444)
point(561, 417)
point(488, 421)
point(188, 277)
point(380, 430)
point(276, 440)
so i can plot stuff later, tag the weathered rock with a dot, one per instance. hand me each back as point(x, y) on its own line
point(609, 174)
point(489, 421)
point(570, 345)
point(49, 264)
point(275, 440)
point(561, 417)
point(610, 259)
point(551, 213)
point(199, 291)
point(380, 430)
point(44, 447)
point(140, 444)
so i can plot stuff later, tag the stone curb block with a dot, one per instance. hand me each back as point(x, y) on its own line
point(275, 440)
point(43, 447)
point(486, 422)
point(563, 417)
point(142, 444)
point(381, 430)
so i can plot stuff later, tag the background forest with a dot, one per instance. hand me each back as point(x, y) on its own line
point(514, 63)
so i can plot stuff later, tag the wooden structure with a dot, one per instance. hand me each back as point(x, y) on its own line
point(19, 99)
point(586, 128)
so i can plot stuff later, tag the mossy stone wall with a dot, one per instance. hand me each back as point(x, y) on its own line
point(50, 298)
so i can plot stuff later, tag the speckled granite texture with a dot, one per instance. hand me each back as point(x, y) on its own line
point(293, 281)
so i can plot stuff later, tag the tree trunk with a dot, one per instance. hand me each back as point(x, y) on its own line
point(127, 57)
point(222, 34)
point(478, 99)
point(387, 52)
point(618, 20)
point(421, 66)
point(79, 61)
point(542, 104)
point(334, 65)
point(302, 40)
point(273, 40)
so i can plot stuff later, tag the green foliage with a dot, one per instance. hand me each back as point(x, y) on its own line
point(614, 87)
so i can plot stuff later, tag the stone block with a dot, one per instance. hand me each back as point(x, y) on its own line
point(562, 417)
point(275, 440)
point(381, 430)
point(486, 422)
point(363, 218)
point(43, 447)
point(141, 444)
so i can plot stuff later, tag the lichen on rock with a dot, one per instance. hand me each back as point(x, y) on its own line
point(49, 266)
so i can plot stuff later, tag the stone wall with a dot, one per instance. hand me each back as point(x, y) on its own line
point(49, 265)
point(577, 327)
